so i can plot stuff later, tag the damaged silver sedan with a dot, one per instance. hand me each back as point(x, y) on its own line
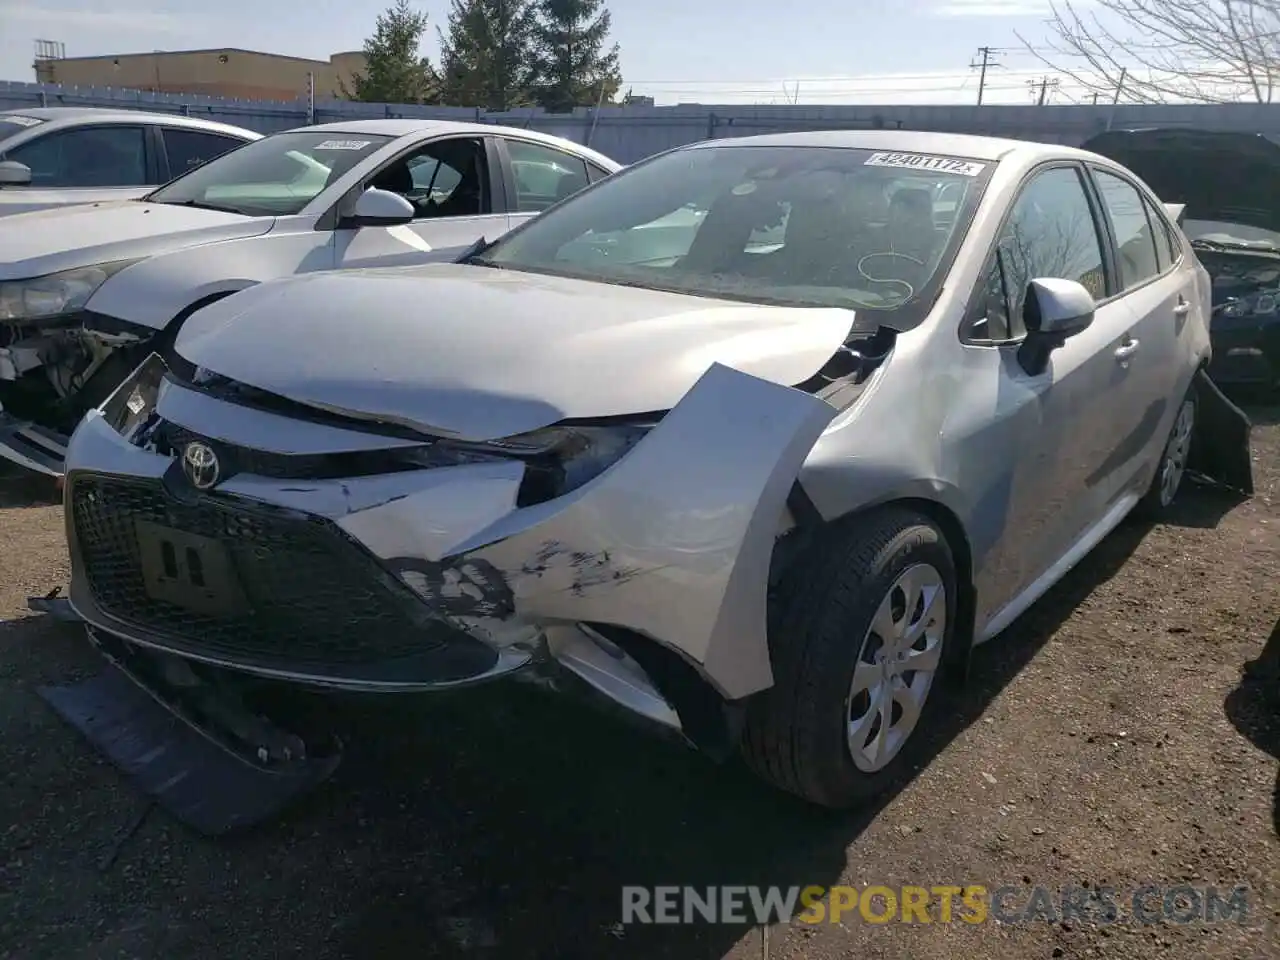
point(756, 438)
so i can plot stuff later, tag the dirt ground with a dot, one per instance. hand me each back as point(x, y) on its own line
point(1107, 739)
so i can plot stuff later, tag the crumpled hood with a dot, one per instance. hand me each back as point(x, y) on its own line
point(479, 353)
point(1219, 175)
point(64, 238)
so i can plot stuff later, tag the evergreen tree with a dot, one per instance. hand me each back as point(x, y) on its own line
point(395, 71)
point(576, 64)
point(487, 57)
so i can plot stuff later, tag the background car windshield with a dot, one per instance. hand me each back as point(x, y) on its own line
point(9, 125)
point(1223, 231)
point(274, 176)
point(809, 226)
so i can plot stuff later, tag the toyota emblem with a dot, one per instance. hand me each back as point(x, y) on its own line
point(200, 464)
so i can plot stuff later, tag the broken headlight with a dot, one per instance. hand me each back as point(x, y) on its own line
point(55, 294)
point(133, 402)
point(561, 459)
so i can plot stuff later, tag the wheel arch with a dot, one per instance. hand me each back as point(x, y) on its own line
point(808, 522)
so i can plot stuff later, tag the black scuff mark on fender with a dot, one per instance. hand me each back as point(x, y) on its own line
point(467, 588)
point(587, 569)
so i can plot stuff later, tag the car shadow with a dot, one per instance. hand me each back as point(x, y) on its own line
point(1202, 504)
point(511, 819)
point(1253, 708)
point(23, 488)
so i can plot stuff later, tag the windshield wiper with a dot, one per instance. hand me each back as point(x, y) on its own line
point(196, 204)
point(1241, 245)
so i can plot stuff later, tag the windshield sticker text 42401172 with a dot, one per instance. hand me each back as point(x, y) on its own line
point(918, 161)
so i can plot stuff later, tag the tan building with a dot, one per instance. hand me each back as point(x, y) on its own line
point(226, 72)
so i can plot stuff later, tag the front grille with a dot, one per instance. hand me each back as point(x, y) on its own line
point(314, 597)
point(170, 438)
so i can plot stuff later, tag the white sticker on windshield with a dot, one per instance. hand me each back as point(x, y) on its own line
point(343, 145)
point(918, 161)
point(20, 121)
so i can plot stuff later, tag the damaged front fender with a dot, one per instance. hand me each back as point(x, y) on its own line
point(673, 541)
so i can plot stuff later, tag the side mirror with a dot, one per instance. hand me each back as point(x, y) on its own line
point(14, 174)
point(380, 208)
point(1054, 309)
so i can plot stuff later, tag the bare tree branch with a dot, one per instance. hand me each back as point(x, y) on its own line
point(1204, 51)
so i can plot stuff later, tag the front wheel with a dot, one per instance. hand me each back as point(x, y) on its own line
point(857, 635)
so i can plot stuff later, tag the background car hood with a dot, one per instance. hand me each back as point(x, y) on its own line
point(1219, 175)
point(63, 238)
point(480, 353)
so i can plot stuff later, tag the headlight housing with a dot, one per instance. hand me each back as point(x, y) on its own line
point(55, 294)
point(561, 459)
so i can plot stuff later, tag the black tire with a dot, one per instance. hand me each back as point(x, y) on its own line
point(820, 616)
point(1154, 505)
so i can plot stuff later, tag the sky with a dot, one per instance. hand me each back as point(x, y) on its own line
point(709, 51)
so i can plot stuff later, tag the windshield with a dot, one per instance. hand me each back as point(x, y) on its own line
point(13, 123)
point(274, 176)
point(806, 226)
point(1222, 231)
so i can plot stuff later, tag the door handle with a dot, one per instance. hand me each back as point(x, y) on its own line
point(1126, 350)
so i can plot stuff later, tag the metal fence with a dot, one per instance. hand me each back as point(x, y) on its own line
point(633, 132)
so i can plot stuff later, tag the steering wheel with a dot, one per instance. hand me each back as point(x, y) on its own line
point(890, 253)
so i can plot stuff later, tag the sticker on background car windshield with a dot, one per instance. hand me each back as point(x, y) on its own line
point(918, 161)
point(343, 145)
point(20, 121)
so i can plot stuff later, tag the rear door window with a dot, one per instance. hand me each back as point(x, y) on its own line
point(1135, 239)
point(188, 149)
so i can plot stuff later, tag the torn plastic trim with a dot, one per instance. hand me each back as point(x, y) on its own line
point(1221, 448)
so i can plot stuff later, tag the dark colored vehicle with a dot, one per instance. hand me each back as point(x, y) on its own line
point(1229, 185)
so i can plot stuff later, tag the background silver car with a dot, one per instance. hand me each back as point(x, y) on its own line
point(86, 293)
point(58, 156)
point(755, 438)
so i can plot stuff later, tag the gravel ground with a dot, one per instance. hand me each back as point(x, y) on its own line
point(1108, 738)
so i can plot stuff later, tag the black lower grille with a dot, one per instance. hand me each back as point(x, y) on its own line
point(312, 595)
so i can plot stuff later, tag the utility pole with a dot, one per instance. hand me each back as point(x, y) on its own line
point(1044, 83)
point(987, 54)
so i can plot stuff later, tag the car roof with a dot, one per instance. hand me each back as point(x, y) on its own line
point(902, 141)
point(75, 116)
point(410, 127)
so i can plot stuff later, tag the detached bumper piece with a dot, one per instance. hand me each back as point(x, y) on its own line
point(1221, 450)
point(190, 742)
point(256, 587)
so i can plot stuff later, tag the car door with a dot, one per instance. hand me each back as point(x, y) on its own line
point(539, 176)
point(1055, 426)
point(455, 186)
point(87, 164)
point(1159, 296)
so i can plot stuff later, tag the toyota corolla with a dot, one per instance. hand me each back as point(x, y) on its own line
point(756, 438)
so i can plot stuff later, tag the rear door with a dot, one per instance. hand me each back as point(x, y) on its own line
point(454, 184)
point(1159, 297)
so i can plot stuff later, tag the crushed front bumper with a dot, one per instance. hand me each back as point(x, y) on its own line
point(435, 577)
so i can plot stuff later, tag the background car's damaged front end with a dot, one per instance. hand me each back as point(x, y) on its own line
point(308, 547)
point(57, 361)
